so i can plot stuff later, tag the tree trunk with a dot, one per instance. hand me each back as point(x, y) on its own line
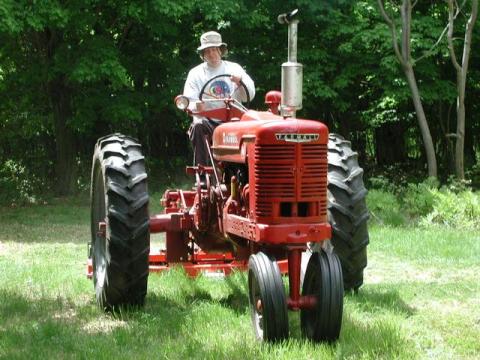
point(65, 166)
point(461, 79)
point(59, 96)
point(403, 54)
point(422, 121)
point(390, 144)
point(460, 143)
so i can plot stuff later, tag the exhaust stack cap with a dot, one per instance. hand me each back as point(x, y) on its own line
point(287, 17)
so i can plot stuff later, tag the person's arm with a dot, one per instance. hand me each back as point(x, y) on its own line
point(190, 90)
point(239, 72)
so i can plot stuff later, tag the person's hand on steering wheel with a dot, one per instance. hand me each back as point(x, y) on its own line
point(236, 79)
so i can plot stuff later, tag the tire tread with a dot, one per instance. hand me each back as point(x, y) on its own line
point(119, 159)
point(347, 210)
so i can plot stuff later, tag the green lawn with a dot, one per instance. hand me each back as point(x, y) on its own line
point(420, 300)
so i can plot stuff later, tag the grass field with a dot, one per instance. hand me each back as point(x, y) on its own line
point(421, 299)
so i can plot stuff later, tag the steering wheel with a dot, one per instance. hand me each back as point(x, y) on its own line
point(219, 90)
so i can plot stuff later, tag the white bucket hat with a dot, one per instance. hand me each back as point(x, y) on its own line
point(212, 39)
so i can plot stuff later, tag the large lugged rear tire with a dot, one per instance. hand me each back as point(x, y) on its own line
point(119, 199)
point(347, 210)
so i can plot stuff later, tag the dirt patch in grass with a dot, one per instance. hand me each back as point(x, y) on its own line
point(383, 269)
point(391, 269)
point(103, 326)
point(3, 249)
point(66, 315)
point(11, 248)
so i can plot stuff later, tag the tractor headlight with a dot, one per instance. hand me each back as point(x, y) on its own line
point(182, 102)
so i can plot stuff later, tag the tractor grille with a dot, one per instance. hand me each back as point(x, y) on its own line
point(274, 176)
point(290, 173)
point(314, 176)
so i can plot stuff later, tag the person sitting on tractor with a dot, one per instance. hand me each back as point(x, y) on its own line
point(211, 50)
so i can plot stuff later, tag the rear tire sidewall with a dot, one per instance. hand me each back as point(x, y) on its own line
point(119, 198)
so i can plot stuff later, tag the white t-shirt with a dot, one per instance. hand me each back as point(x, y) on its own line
point(200, 74)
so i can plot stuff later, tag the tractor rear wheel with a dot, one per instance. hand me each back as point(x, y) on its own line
point(347, 210)
point(268, 303)
point(323, 279)
point(119, 208)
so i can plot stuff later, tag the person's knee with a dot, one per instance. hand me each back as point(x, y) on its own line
point(197, 129)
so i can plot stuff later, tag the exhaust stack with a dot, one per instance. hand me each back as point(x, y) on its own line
point(292, 71)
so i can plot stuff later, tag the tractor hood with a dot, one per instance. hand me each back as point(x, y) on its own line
point(230, 140)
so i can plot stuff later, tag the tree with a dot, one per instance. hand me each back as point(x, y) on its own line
point(44, 51)
point(91, 67)
point(403, 54)
point(73, 71)
point(461, 71)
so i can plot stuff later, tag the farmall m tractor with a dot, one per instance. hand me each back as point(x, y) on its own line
point(279, 187)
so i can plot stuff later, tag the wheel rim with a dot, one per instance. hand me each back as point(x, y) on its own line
point(256, 305)
point(99, 263)
point(100, 243)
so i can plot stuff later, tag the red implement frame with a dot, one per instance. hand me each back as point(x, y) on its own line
point(208, 264)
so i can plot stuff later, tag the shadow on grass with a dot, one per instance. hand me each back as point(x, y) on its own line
point(174, 289)
point(58, 328)
point(376, 300)
point(234, 295)
point(375, 338)
point(237, 300)
point(372, 326)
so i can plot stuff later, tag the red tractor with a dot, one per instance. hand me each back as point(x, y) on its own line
point(279, 189)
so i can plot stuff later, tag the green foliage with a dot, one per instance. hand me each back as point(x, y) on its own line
point(18, 185)
point(424, 204)
point(456, 185)
point(381, 182)
point(168, 174)
point(418, 199)
point(384, 208)
point(456, 210)
point(474, 175)
point(99, 60)
point(118, 65)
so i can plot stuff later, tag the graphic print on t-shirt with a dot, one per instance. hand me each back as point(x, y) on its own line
point(219, 89)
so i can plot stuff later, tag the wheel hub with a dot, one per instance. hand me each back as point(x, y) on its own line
point(259, 306)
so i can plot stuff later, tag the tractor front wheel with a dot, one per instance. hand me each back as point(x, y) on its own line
point(119, 223)
point(268, 302)
point(323, 279)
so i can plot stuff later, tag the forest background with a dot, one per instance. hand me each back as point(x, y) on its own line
point(72, 71)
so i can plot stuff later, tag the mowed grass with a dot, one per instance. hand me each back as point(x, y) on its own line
point(421, 299)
